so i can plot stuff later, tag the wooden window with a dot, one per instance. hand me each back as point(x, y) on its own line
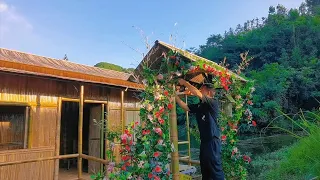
point(13, 127)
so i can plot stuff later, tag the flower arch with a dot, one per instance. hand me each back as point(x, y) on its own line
point(146, 145)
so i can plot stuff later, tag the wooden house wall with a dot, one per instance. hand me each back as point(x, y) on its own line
point(42, 96)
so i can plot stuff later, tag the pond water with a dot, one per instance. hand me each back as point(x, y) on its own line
point(251, 145)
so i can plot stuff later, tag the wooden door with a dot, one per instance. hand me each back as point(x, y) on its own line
point(94, 137)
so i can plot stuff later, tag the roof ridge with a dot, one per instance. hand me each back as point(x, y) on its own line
point(64, 60)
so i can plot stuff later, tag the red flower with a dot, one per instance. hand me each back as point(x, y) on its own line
point(166, 93)
point(150, 175)
point(136, 123)
point(172, 57)
point(168, 172)
point(156, 178)
point(247, 158)
point(161, 121)
point(177, 63)
point(158, 114)
point(125, 158)
point(254, 123)
point(249, 102)
point(124, 168)
point(126, 131)
point(161, 110)
point(156, 154)
point(204, 66)
point(158, 169)
point(170, 106)
point(127, 163)
point(222, 128)
point(127, 148)
point(223, 137)
point(145, 132)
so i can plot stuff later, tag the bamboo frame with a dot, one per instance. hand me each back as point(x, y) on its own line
point(174, 140)
point(188, 132)
point(26, 127)
point(103, 161)
point(80, 127)
point(40, 159)
point(122, 110)
point(102, 135)
point(189, 161)
point(57, 148)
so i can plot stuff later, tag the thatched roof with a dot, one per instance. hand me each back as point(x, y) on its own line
point(153, 60)
point(24, 63)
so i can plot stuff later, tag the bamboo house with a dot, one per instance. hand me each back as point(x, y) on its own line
point(47, 108)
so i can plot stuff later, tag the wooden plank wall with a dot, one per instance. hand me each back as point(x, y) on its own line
point(42, 95)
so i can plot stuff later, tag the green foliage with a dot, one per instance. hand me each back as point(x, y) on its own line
point(303, 159)
point(285, 47)
point(114, 67)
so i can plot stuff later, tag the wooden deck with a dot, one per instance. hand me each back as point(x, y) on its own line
point(72, 174)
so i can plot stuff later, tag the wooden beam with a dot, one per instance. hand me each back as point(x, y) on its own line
point(68, 156)
point(188, 132)
point(95, 101)
point(70, 100)
point(80, 127)
point(174, 140)
point(57, 146)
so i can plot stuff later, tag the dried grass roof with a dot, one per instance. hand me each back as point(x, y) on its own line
point(153, 60)
point(24, 63)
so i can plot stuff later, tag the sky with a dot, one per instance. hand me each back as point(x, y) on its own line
point(92, 31)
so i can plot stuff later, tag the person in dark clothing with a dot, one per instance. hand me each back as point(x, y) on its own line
point(206, 112)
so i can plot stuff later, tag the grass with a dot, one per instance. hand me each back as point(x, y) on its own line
point(299, 161)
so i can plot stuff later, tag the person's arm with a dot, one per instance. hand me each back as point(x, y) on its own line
point(182, 104)
point(191, 88)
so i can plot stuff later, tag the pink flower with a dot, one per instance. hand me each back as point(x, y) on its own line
point(160, 77)
point(146, 132)
point(158, 131)
point(170, 106)
point(150, 117)
point(247, 158)
point(160, 141)
point(149, 107)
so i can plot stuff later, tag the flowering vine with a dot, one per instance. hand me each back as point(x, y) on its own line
point(146, 145)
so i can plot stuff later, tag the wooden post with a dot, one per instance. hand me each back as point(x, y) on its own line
point(80, 125)
point(174, 140)
point(122, 110)
point(57, 148)
point(102, 135)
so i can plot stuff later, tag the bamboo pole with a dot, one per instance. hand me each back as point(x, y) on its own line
point(189, 161)
point(40, 159)
point(106, 162)
point(70, 100)
point(102, 135)
point(26, 126)
point(174, 140)
point(80, 126)
point(57, 148)
point(188, 133)
point(122, 110)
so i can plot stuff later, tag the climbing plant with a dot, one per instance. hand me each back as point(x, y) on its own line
point(146, 145)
